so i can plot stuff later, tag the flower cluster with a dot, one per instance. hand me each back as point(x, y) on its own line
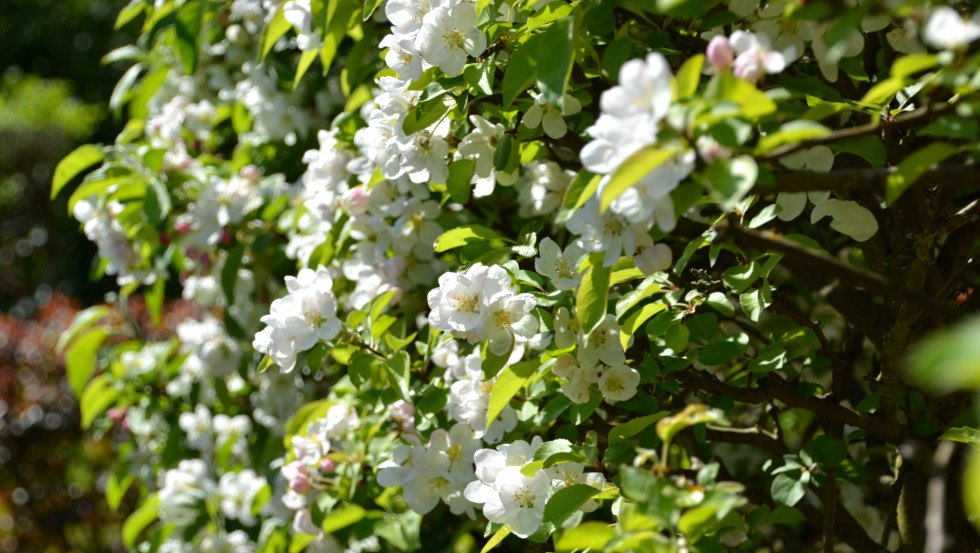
point(296, 322)
point(511, 497)
point(630, 120)
point(434, 472)
point(313, 464)
point(425, 33)
point(482, 304)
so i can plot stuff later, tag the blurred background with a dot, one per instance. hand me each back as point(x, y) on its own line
point(53, 96)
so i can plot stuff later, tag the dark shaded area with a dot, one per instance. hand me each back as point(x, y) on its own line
point(53, 91)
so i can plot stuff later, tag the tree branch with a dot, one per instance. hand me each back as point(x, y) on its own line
point(748, 436)
point(872, 180)
point(921, 115)
point(826, 264)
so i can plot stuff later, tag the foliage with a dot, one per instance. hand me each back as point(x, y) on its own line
point(536, 263)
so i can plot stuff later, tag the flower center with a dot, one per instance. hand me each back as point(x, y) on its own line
point(316, 319)
point(564, 268)
point(612, 226)
point(455, 38)
point(465, 303)
point(524, 498)
point(438, 484)
point(501, 318)
point(614, 383)
point(454, 452)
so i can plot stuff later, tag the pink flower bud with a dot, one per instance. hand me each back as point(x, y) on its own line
point(117, 414)
point(720, 53)
point(327, 465)
point(356, 200)
point(251, 173)
point(298, 476)
point(182, 226)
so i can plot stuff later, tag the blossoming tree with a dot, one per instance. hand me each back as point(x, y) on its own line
point(616, 275)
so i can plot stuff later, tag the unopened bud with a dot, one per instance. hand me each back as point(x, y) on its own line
point(720, 53)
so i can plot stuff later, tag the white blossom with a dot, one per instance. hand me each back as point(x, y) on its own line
point(448, 35)
point(558, 266)
point(945, 29)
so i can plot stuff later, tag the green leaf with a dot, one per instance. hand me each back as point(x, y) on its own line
point(274, 30)
point(117, 485)
point(718, 353)
point(81, 357)
point(582, 187)
point(731, 179)
point(635, 321)
point(913, 167)
point(787, 516)
point(947, 360)
point(794, 131)
point(628, 429)
point(906, 66)
point(952, 126)
point(550, 448)
point(636, 167)
point(882, 93)
point(694, 413)
point(565, 502)
point(787, 490)
point(493, 363)
point(425, 114)
point(739, 278)
point(586, 536)
point(498, 537)
point(340, 14)
point(555, 61)
point(461, 236)
point(590, 299)
point(132, 10)
point(752, 103)
point(458, 184)
point(963, 434)
point(369, 7)
point(827, 450)
point(971, 483)
point(229, 273)
point(188, 26)
point(870, 148)
point(98, 396)
point(504, 152)
point(509, 381)
point(305, 62)
point(521, 71)
point(74, 163)
point(139, 520)
point(688, 77)
point(83, 320)
point(342, 517)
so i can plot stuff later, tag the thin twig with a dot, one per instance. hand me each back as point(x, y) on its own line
point(901, 120)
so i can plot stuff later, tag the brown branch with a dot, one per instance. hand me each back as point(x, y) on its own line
point(774, 387)
point(830, 509)
point(748, 436)
point(829, 265)
point(921, 115)
point(869, 179)
point(866, 179)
